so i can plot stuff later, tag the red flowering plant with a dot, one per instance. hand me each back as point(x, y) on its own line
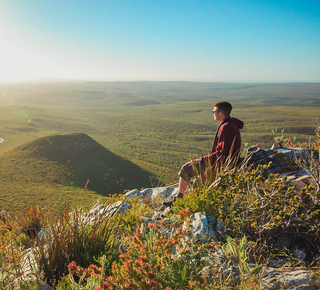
point(91, 277)
point(184, 215)
point(92, 270)
point(155, 262)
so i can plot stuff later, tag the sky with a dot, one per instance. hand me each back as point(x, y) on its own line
point(160, 40)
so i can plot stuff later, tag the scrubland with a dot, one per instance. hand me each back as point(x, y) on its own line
point(158, 126)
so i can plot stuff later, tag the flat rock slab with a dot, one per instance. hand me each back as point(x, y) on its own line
point(299, 279)
point(156, 192)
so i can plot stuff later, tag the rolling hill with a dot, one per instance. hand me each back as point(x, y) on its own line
point(55, 169)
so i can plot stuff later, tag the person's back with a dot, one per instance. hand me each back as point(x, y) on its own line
point(227, 143)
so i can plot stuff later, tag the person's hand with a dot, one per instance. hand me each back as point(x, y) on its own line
point(197, 161)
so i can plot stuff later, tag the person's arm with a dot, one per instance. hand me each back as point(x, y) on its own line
point(223, 146)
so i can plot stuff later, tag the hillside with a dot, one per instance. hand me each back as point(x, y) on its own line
point(156, 125)
point(55, 169)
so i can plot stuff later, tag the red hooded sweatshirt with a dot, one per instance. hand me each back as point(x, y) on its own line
point(227, 138)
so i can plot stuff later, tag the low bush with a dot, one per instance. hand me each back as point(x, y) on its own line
point(258, 207)
point(155, 262)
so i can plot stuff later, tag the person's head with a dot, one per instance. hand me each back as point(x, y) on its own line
point(221, 110)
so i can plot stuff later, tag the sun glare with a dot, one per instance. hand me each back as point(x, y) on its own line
point(21, 58)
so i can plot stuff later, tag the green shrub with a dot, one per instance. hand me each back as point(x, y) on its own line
point(155, 262)
point(258, 207)
point(132, 217)
point(69, 238)
point(64, 283)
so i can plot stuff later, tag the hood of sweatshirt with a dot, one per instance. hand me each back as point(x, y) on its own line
point(236, 121)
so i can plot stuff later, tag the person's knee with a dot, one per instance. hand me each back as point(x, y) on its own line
point(186, 172)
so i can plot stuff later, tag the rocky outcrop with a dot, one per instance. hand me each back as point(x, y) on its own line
point(204, 228)
point(279, 156)
point(300, 279)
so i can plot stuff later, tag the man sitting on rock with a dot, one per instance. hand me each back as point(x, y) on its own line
point(226, 146)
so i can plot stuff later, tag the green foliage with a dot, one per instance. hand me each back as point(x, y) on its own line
point(70, 238)
point(66, 162)
point(31, 221)
point(64, 283)
point(4, 269)
point(132, 217)
point(155, 262)
point(236, 252)
point(158, 126)
point(257, 207)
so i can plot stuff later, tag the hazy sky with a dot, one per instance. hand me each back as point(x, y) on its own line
point(216, 40)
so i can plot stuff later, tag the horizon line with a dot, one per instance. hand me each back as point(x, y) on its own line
point(53, 80)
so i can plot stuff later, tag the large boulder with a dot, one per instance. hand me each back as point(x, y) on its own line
point(204, 227)
point(277, 155)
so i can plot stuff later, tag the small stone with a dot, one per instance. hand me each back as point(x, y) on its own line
point(299, 254)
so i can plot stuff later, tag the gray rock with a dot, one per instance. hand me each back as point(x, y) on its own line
point(154, 193)
point(159, 215)
point(292, 152)
point(165, 192)
point(299, 279)
point(254, 154)
point(300, 178)
point(299, 254)
point(276, 146)
point(132, 194)
point(271, 278)
point(99, 211)
point(146, 192)
point(45, 286)
point(169, 200)
point(203, 227)
point(28, 266)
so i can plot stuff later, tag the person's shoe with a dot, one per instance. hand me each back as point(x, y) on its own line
point(180, 195)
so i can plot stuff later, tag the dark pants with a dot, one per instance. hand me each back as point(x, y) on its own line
point(190, 169)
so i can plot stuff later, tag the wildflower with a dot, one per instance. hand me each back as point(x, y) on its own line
point(185, 250)
point(141, 219)
point(1, 248)
point(105, 285)
point(98, 288)
point(151, 225)
point(72, 267)
point(7, 261)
